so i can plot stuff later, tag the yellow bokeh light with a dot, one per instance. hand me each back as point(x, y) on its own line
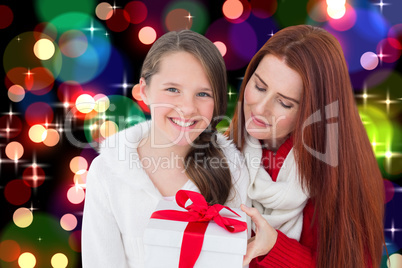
point(108, 128)
point(85, 103)
point(102, 103)
point(336, 3)
point(27, 260)
point(44, 49)
point(59, 260)
point(394, 261)
point(388, 154)
point(336, 12)
point(14, 150)
point(147, 35)
point(22, 217)
point(51, 137)
point(16, 93)
point(78, 163)
point(37, 133)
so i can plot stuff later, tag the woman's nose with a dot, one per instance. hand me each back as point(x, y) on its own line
point(187, 106)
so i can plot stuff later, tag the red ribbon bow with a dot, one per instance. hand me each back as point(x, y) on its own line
point(199, 214)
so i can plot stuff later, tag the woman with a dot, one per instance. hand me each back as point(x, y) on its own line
point(183, 80)
point(319, 187)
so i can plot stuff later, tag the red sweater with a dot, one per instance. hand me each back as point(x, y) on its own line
point(288, 252)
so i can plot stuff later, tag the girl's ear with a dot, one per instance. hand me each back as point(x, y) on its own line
point(143, 92)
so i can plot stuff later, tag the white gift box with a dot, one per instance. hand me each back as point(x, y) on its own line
point(221, 248)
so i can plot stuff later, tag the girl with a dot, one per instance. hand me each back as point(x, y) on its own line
point(318, 188)
point(183, 80)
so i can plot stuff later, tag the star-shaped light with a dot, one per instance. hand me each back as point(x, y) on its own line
point(29, 73)
point(189, 17)
point(392, 230)
point(272, 33)
point(124, 85)
point(92, 29)
point(388, 102)
point(364, 96)
point(381, 4)
point(230, 93)
point(114, 7)
point(18, 39)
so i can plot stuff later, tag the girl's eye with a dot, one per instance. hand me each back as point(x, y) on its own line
point(203, 94)
point(172, 89)
point(284, 105)
point(260, 88)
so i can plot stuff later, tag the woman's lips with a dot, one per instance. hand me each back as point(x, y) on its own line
point(259, 122)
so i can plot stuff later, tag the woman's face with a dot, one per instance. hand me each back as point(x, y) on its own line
point(271, 100)
point(181, 99)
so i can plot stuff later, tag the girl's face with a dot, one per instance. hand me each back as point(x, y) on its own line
point(271, 100)
point(181, 99)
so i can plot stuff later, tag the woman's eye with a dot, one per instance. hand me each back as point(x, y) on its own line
point(203, 94)
point(172, 89)
point(259, 88)
point(284, 105)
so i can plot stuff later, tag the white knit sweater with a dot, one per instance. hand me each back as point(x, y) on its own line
point(120, 198)
point(282, 202)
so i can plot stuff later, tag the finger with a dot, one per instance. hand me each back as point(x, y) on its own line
point(250, 254)
point(255, 215)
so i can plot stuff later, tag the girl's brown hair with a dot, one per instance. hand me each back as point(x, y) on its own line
point(214, 183)
point(332, 151)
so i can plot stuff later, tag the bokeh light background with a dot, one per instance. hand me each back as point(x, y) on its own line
point(68, 74)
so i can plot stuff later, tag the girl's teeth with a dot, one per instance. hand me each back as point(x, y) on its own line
point(183, 124)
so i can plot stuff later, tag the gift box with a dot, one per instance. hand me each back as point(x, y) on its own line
point(170, 243)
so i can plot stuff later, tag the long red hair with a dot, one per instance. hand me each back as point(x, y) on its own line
point(336, 164)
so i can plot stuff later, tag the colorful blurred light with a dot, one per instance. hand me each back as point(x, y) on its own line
point(44, 49)
point(16, 192)
point(14, 150)
point(39, 113)
point(80, 177)
point(147, 35)
point(36, 133)
point(336, 12)
point(68, 222)
point(59, 260)
point(85, 103)
point(33, 176)
point(102, 103)
point(369, 61)
point(395, 260)
point(74, 241)
point(27, 260)
point(387, 52)
point(108, 128)
point(136, 92)
point(178, 19)
point(137, 11)
point(73, 43)
point(221, 47)
point(16, 93)
point(6, 17)
point(22, 217)
point(52, 137)
point(47, 10)
point(232, 9)
point(119, 21)
point(104, 11)
point(346, 22)
point(78, 164)
point(75, 195)
point(9, 250)
point(263, 9)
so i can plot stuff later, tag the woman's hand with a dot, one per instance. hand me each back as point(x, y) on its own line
point(264, 239)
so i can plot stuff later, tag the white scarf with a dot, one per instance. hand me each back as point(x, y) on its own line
point(282, 202)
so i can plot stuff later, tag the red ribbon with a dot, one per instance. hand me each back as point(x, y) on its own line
point(198, 215)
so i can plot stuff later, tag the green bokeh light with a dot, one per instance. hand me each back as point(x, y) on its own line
point(43, 238)
point(291, 13)
point(49, 9)
point(378, 128)
point(197, 10)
